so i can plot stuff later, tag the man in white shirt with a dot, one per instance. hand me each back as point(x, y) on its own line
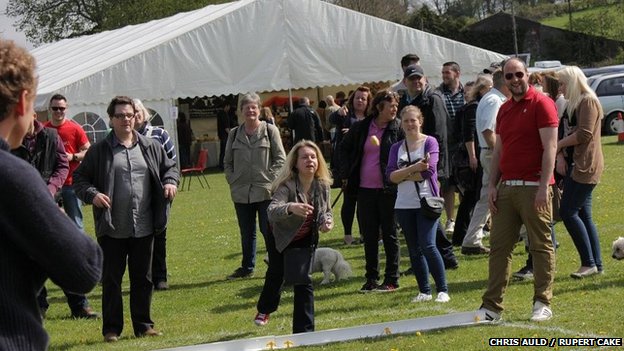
point(486, 124)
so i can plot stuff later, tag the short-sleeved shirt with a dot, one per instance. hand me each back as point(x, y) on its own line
point(518, 124)
point(487, 110)
point(73, 139)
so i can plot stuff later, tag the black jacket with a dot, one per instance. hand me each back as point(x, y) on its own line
point(352, 151)
point(94, 175)
point(431, 103)
point(306, 124)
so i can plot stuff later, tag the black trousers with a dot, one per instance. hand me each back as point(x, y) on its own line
point(375, 210)
point(303, 306)
point(138, 253)
point(464, 213)
point(445, 247)
point(347, 212)
point(76, 302)
point(159, 260)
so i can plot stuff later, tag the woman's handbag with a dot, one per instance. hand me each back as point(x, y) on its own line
point(298, 265)
point(431, 207)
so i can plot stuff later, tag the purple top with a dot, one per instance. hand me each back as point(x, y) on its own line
point(370, 170)
point(431, 146)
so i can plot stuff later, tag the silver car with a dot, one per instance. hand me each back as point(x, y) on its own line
point(610, 90)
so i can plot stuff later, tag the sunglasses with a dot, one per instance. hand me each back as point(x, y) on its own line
point(57, 109)
point(124, 115)
point(509, 76)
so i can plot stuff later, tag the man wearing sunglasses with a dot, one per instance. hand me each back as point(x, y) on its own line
point(76, 144)
point(519, 190)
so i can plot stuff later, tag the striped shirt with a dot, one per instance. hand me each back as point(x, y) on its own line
point(453, 101)
point(161, 136)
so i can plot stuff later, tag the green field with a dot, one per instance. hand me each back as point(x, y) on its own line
point(203, 307)
point(563, 20)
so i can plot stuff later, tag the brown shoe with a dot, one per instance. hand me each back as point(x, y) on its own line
point(86, 313)
point(150, 332)
point(111, 337)
point(479, 250)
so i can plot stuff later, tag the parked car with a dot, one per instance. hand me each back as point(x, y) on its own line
point(610, 90)
point(602, 70)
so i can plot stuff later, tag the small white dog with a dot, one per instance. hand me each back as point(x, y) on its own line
point(328, 261)
point(618, 249)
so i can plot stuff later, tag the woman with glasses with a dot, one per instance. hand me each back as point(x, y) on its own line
point(580, 160)
point(253, 156)
point(130, 182)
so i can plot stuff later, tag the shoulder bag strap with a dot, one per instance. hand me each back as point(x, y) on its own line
point(409, 160)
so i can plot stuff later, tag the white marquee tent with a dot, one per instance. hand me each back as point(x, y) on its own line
point(237, 47)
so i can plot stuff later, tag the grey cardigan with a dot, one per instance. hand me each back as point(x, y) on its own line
point(286, 225)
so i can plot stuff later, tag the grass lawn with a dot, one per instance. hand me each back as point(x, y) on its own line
point(563, 20)
point(203, 307)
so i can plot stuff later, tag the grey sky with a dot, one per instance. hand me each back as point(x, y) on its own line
point(7, 30)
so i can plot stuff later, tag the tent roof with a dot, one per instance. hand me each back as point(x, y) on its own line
point(242, 46)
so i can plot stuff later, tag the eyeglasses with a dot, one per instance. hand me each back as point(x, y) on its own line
point(57, 108)
point(519, 75)
point(124, 115)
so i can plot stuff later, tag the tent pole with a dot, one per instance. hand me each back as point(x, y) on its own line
point(290, 99)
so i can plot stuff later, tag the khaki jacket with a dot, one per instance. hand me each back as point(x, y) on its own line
point(252, 163)
point(588, 158)
point(286, 225)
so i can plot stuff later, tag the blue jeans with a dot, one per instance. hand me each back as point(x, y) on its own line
point(246, 215)
point(72, 205)
point(420, 236)
point(576, 214)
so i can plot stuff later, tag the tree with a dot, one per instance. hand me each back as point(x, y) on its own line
point(391, 10)
point(44, 21)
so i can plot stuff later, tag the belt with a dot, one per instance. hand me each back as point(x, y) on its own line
point(520, 183)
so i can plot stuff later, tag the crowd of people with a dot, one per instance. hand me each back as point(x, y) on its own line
point(401, 157)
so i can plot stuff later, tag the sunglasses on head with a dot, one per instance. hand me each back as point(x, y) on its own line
point(56, 108)
point(519, 75)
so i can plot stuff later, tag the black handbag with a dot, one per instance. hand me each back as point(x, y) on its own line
point(432, 206)
point(298, 265)
point(298, 259)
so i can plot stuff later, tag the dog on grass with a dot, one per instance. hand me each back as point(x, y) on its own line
point(328, 261)
point(618, 249)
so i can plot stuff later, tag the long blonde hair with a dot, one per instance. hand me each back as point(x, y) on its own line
point(577, 88)
point(289, 170)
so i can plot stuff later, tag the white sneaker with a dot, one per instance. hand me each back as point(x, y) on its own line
point(422, 297)
point(541, 312)
point(443, 297)
point(450, 226)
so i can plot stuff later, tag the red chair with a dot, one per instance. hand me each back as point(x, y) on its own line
point(198, 169)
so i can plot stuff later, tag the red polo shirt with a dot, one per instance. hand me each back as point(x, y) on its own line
point(518, 124)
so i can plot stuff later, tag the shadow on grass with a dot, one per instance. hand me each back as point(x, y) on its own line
point(72, 345)
point(595, 283)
